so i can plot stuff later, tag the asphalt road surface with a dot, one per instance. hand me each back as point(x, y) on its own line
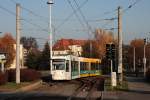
point(33, 96)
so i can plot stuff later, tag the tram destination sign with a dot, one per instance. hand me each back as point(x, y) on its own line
point(58, 60)
point(2, 56)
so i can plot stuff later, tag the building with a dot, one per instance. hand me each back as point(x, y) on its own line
point(125, 57)
point(68, 46)
point(22, 52)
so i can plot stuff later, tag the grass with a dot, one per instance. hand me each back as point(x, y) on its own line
point(11, 86)
point(122, 87)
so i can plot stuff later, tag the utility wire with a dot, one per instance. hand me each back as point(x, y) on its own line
point(131, 5)
point(5, 9)
point(86, 21)
point(88, 26)
point(107, 24)
point(68, 17)
point(14, 14)
point(36, 25)
point(31, 12)
point(69, 2)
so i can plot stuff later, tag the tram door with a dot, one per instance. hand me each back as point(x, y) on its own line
point(67, 70)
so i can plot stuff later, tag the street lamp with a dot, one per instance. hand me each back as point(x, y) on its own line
point(50, 2)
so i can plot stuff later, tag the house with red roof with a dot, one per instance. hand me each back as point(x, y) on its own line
point(68, 47)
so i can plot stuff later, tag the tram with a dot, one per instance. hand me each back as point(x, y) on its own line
point(71, 67)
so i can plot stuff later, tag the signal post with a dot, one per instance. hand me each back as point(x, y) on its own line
point(111, 56)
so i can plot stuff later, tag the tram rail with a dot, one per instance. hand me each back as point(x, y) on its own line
point(86, 89)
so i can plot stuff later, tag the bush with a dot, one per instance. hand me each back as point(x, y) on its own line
point(11, 75)
point(148, 75)
point(26, 75)
point(29, 75)
point(3, 78)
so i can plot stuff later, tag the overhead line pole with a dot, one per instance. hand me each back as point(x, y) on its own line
point(134, 59)
point(144, 59)
point(17, 43)
point(120, 45)
point(50, 2)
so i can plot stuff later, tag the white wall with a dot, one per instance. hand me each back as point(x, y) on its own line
point(13, 65)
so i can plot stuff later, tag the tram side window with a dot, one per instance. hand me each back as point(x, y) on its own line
point(86, 66)
point(97, 66)
point(93, 66)
point(53, 67)
point(67, 66)
point(74, 65)
point(83, 65)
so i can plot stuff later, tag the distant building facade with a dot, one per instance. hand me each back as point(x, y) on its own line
point(125, 58)
point(68, 46)
point(22, 57)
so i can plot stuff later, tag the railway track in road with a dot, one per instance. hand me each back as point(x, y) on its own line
point(86, 89)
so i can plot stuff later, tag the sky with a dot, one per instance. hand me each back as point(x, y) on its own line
point(70, 21)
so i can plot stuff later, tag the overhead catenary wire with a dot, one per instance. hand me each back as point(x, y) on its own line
point(36, 25)
point(74, 10)
point(43, 18)
point(7, 10)
point(80, 6)
point(131, 5)
point(84, 18)
point(25, 20)
point(70, 15)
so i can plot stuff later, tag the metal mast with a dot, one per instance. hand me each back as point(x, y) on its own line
point(50, 2)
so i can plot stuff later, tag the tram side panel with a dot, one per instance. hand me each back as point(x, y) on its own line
point(84, 72)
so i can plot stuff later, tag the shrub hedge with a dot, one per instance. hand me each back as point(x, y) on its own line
point(148, 75)
point(29, 75)
point(3, 78)
point(26, 75)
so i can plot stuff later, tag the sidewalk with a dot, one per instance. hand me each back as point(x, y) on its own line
point(138, 84)
point(138, 90)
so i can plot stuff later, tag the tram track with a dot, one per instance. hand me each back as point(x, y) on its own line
point(86, 89)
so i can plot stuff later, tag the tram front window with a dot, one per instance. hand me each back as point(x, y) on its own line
point(59, 66)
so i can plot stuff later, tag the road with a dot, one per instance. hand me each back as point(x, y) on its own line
point(35, 96)
point(138, 90)
point(30, 96)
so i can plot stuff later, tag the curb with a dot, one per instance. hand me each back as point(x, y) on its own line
point(29, 87)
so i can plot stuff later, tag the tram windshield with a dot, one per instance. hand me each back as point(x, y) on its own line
point(58, 64)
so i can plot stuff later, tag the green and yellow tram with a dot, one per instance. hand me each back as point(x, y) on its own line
point(71, 67)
